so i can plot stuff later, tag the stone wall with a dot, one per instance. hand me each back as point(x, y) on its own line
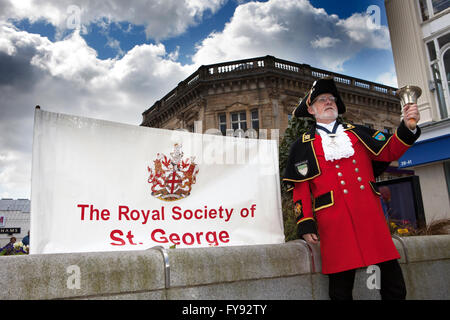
point(285, 271)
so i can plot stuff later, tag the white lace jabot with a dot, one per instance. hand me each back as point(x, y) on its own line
point(338, 147)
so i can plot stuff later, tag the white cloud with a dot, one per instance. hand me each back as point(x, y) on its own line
point(361, 29)
point(146, 70)
point(388, 78)
point(324, 42)
point(292, 30)
point(67, 76)
point(15, 173)
point(115, 44)
point(162, 18)
point(71, 59)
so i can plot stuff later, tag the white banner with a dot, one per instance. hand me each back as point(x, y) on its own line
point(105, 186)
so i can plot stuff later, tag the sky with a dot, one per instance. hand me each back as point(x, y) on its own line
point(113, 59)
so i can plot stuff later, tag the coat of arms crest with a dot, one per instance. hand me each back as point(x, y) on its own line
point(172, 178)
point(302, 167)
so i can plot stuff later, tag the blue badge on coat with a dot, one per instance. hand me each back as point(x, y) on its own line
point(380, 137)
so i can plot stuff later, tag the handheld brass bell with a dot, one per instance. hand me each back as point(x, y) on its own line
point(409, 94)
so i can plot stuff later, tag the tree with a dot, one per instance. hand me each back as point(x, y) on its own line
point(295, 129)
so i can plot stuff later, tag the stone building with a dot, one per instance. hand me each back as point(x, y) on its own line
point(242, 97)
point(261, 93)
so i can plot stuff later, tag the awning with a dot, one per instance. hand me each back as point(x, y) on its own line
point(426, 151)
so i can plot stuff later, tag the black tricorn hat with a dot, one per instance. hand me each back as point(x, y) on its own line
point(324, 85)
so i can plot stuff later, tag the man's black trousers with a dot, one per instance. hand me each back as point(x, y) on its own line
point(392, 286)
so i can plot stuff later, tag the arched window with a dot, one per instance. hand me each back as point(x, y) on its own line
point(446, 61)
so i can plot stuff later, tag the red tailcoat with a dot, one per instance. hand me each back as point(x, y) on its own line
point(346, 206)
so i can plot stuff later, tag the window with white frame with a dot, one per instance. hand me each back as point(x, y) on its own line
point(223, 123)
point(255, 119)
point(424, 10)
point(439, 5)
point(239, 120)
point(252, 133)
point(438, 50)
point(439, 89)
point(239, 123)
point(430, 8)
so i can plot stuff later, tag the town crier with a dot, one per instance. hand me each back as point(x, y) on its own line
point(331, 171)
